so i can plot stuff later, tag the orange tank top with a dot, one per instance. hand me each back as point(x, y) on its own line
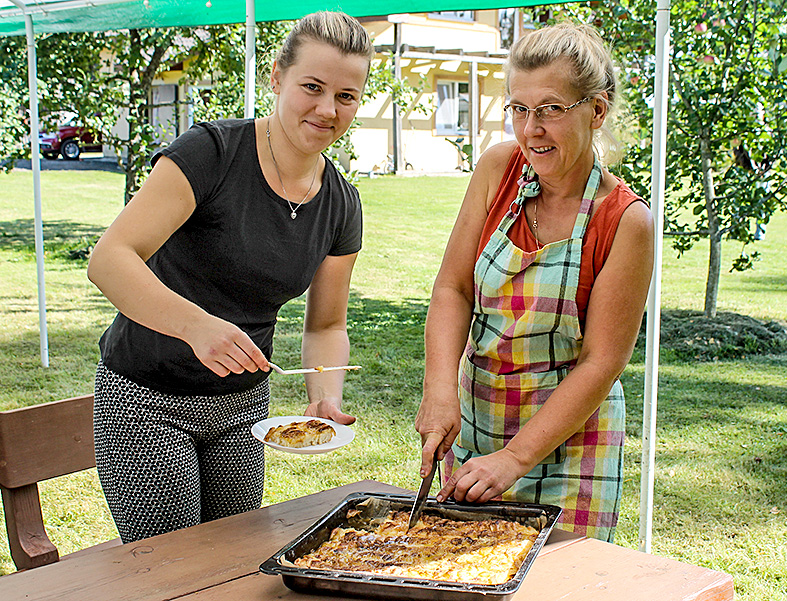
point(598, 238)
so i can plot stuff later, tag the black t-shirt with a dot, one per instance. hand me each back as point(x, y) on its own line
point(240, 256)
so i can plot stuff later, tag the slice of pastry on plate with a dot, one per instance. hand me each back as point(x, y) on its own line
point(301, 434)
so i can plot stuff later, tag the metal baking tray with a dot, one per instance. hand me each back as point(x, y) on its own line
point(373, 506)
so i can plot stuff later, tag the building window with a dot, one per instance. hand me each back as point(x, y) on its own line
point(453, 108)
point(454, 15)
point(164, 112)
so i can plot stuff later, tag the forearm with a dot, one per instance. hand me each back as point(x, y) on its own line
point(128, 283)
point(326, 348)
point(445, 339)
point(566, 411)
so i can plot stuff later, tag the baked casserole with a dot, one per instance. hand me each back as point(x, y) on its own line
point(488, 551)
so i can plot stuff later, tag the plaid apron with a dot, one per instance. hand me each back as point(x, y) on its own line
point(525, 338)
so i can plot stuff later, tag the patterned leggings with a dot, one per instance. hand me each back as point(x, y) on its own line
point(166, 462)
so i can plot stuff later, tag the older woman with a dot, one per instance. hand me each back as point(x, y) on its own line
point(547, 270)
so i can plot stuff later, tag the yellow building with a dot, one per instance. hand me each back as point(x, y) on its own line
point(457, 57)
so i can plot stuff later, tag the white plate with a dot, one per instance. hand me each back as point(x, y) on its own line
point(343, 436)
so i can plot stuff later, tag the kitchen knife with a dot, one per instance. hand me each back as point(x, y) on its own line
point(423, 493)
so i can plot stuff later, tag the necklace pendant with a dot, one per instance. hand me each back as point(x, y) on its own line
point(293, 215)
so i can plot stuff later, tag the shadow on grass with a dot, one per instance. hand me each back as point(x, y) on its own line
point(761, 283)
point(73, 355)
point(392, 331)
point(686, 400)
point(19, 234)
point(697, 407)
point(727, 441)
point(13, 305)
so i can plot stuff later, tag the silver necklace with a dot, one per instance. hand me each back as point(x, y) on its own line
point(293, 214)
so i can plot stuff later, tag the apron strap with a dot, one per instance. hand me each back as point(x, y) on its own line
point(530, 187)
point(589, 195)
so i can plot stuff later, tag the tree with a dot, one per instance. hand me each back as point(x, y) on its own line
point(121, 88)
point(219, 60)
point(728, 92)
point(65, 77)
point(14, 125)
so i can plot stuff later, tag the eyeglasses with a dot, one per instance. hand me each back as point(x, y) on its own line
point(545, 112)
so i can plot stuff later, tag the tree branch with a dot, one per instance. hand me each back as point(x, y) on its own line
point(674, 234)
point(747, 60)
point(683, 97)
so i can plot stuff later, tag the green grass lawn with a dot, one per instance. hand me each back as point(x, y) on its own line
point(721, 474)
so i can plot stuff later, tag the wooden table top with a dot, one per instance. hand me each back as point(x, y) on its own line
point(220, 561)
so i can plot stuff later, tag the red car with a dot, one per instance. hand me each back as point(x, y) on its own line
point(69, 141)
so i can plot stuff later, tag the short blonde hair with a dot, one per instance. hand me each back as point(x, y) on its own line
point(336, 29)
point(593, 67)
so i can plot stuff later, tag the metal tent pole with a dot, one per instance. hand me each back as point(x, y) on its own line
point(35, 161)
point(251, 64)
point(654, 295)
point(398, 162)
point(475, 111)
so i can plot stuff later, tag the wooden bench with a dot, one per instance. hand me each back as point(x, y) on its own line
point(37, 443)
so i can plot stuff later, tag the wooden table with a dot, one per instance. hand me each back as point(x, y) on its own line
point(220, 560)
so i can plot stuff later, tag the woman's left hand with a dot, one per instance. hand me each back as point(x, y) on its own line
point(328, 410)
point(325, 340)
point(483, 478)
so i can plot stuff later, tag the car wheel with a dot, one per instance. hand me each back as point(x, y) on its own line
point(70, 149)
point(50, 155)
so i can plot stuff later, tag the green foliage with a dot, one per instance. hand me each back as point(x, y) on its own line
point(138, 56)
point(465, 151)
point(728, 93)
point(216, 71)
point(14, 129)
point(68, 81)
point(14, 135)
point(383, 81)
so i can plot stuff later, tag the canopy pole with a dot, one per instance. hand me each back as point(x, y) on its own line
point(35, 161)
point(398, 161)
point(658, 170)
point(475, 110)
point(251, 61)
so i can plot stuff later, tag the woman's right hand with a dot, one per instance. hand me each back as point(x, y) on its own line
point(438, 422)
point(118, 267)
point(223, 347)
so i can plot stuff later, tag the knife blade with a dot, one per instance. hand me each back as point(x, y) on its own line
point(423, 493)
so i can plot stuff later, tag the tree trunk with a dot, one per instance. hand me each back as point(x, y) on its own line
point(140, 136)
point(714, 236)
point(137, 119)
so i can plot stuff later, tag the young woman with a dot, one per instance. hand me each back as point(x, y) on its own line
point(236, 218)
point(546, 271)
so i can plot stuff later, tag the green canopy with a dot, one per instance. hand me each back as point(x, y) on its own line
point(54, 16)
